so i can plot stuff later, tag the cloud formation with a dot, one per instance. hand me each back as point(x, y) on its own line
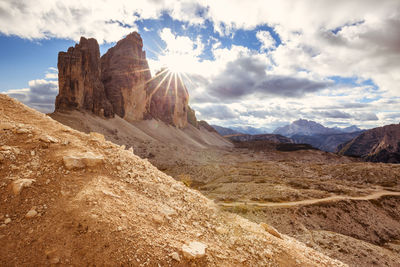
point(277, 82)
point(248, 75)
point(40, 95)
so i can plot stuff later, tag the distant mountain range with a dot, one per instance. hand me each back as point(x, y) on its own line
point(380, 144)
point(224, 131)
point(240, 130)
point(310, 128)
point(300, 131)
point(325, 142)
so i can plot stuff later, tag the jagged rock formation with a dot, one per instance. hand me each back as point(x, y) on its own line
point(124, 73)
point(191, 117)
point(79, 79)
point(380, 144)
point(168, 99)
point(224, 130)
point(120, 83)
point(207, 126)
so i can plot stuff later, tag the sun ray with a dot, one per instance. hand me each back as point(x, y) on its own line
point(169, 83)
point(157, 75)
point(176, 93)
point(189, 79)
point(159, 84)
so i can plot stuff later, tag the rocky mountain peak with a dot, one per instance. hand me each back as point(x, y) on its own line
point(79, 80)
point(304, 127)
point(380, 144)
point(119, 83)
point(168, 99)
point(124, 73)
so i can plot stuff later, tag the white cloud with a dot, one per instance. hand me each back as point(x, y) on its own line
point(319, 39)
point(267, 41)
point(40, 95)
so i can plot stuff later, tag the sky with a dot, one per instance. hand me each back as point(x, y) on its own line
point(253, 63)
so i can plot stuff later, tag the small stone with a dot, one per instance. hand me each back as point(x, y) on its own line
point(1, 157)
point(48, 139)
point(19, 184)
point(175, 256)
point(32, 213)
point(22, 131)
point(221, 230)
point(271, 230)
point(6, 126)
point(97, 136)
point(73, 162)
point(7, 221)
point(47, 181)
point(158, 219)
point(194, 250)
point(33, 153)
point(54, 260)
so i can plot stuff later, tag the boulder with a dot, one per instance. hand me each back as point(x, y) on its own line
point(20, 184)
point(194, 250)
point(80, 161)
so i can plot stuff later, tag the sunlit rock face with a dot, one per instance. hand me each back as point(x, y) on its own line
point(168, 99)
point(120, 83)
point(124, 73)
point(79, 80)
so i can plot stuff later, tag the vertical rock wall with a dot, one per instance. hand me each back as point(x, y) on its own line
point(79, 80)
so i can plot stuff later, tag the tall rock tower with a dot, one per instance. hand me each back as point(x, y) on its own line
point(124, 73)
point(168, 99)
point(79, 79)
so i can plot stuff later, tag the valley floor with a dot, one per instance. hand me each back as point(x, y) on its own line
point(344, 208)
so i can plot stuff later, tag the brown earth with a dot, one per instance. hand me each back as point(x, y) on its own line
point(344, 224)
point(70, 198)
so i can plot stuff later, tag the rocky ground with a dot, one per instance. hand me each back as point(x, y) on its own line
point(338, 216)
point(71, 198)
point(345, 208)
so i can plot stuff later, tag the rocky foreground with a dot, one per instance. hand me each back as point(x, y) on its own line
point(75, 199)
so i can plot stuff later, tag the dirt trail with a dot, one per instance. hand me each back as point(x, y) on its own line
point(375, 195)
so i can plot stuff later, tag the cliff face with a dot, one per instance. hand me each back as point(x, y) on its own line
point(168, 99)
point(79, 79)
point(124, 73)
point(119, 83)
point(380, 144)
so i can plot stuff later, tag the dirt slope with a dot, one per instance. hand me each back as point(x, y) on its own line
point(91, 202)
point(161, 143)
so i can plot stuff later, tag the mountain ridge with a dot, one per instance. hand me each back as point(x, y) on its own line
point(381, 144)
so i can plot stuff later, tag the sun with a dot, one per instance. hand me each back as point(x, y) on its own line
point(175, 63)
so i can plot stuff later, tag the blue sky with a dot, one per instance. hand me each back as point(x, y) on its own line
point(262, 65)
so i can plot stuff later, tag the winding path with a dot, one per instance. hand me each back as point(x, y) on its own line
point(374, 195)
